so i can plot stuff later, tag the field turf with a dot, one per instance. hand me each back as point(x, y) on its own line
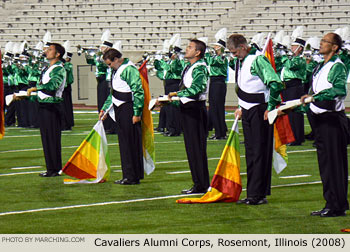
point(31, 204)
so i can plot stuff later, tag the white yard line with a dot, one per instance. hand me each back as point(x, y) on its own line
point(296, 176)
point(129, 201)
point(26, 167)
point(19, 173)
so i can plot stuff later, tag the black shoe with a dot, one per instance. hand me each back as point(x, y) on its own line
point(159, 129)
point(170, 134)
point(118, 181)
point(332, 213)
point(127, 182)
point(318, 212)
point(49, 174)
point(252, 201)
point(294, 144)
point(217, 138)
point(310, 136)
point(194, 189)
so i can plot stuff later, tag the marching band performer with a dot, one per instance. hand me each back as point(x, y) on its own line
point(331, 126)
point(50, 91)
point(160, 74)
point(192, 94)
point(103, 86)
point(21, 81)
point(127, 99)
point(218, 65)
point(67, 104)
point(10, 88)
point(293, 75)
point(172, 69)
point(258, 92)
point(312, 57)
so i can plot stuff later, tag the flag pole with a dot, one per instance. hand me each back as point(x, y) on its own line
point(235, 123)
point(266, 43)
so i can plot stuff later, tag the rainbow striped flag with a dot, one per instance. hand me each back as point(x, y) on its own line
point(226, 185)
point(90, 162)
point(282, 130)
point(2, 104)
point(147, 125)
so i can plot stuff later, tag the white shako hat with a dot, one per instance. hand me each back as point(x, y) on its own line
point(118, 46)
point(9, 49)
point(67, 47)
point(220, 37)
point(166, 46)
point(297, 36)
point(175, 42)
point(258, 40)
point(105, 39)
point(47, 39)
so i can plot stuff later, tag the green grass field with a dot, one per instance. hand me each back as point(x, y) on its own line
point(31, 204)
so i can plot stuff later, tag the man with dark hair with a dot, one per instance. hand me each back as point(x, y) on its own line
point(127, 99)
point(192, 94)
point(49, 96)
point(331, 128)
point(258, 93)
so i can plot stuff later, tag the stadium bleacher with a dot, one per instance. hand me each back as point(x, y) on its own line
point(143, 25)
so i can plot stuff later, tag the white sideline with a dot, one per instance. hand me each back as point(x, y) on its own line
point(128, 201)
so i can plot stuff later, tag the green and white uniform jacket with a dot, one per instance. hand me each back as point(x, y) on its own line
point(195, 82)
point(50, 89)
point(217, 65)
point(329, 83)
point(257, 76)
point(125, 80)
point(294, 68)
point(69, 69)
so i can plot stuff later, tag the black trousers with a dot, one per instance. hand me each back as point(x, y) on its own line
point(172, 112)
point(50, 130)
point(67, 108)
point(33, 110)
point(258, 140)
point(22, 109)
point(103, 91)
point(331, 141)
point(194, 126)
point(217, 97)
point(130, 142)
point(294, 90)
point(10, 116)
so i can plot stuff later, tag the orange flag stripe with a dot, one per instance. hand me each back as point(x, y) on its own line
point(229, 171)
point(87, 150)
point(74, 171)
point(82, 161)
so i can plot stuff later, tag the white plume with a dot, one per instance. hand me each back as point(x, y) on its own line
point(221, 34)
point(67, 46)
point(9, 47)
point(298, 32)
point(47, 37)
point(118, 46)
point(314, 42)
point(166, 46)
point(174, 39)
point(39, 46)
point(106, 35)
point(279, 37)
